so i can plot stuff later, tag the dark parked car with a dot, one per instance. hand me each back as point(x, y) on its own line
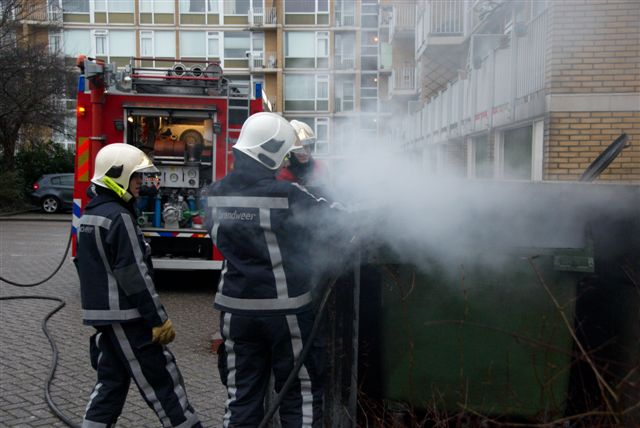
point(53, 192)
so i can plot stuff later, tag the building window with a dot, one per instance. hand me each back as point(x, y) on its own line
point(236, 7)
point(306, 6)
point(345, 58)
point(322, 135)
point(158, 44)
point(150, 8)
point(100, 42)
point(306, 12)
point(114, 44)
point(483, 167)
point(157, 6)
point(344, 93)
point(369, 15)
point(236, 45)
point(322, 93)
point(55, 42)
point(192, 44)
point(369, 92)
point(306, 92)
point(193, 6)
point(75, 6)
point(517, 154)
point(345, 12)
point(297, 52)
point(77, 42)
point(113, 6)
point(146, 43)
point(213, 44)
point(197, 6)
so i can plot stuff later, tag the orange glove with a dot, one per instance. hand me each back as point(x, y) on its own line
point(164, 333)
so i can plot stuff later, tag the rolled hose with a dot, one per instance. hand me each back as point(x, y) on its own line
point(54, 349)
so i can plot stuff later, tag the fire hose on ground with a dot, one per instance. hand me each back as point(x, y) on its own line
point(54, 349)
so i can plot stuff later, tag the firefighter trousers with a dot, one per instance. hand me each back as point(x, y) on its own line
point(124, 351)
point(254, 347)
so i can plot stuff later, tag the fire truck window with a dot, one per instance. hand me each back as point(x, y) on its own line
point(237, 116)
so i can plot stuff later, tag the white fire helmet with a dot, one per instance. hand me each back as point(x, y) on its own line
point(116, 163)
point(304, 132)
point(267, 138)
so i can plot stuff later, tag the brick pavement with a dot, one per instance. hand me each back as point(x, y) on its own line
point(29, 251)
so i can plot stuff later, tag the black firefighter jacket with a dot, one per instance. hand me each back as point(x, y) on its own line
point(259, 224)
point(114, 265)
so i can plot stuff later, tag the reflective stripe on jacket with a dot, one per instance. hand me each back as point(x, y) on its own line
point(259, 225)
point(114, 265)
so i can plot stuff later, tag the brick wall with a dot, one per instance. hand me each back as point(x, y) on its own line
point(594, 46)
point(575, 139)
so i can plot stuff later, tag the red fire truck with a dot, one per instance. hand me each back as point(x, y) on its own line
point(186, 119)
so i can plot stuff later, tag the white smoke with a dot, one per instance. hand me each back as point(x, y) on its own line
point(396, 205)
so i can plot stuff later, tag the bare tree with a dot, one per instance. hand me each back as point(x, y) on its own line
point(32, 80)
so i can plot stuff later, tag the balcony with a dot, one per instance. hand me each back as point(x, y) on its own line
point(441, 23)
point(345, 62)
point(38, 14)
point(403, 81)
point(403, 21)
point(262, 62)
point(266, 17)
point(506, 87)
point(345, 19)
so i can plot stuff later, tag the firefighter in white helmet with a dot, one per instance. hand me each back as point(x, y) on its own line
point(301, 167)
point(120, 301)
point(264, 295)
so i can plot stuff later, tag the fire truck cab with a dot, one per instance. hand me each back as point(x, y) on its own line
point(186, 119)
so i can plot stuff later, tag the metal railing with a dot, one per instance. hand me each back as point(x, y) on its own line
point(38, 12)
point(445, 18)
point(260, 60)
point(506, 78)
point(403, 80)
point(438, 18)
point(345, 62)
point(259, 16)
point(403, 18)
point(345, 20)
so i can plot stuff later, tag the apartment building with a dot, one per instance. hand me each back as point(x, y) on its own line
point(526, 90)
point(318, 60)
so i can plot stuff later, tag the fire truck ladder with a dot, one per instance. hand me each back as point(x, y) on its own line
point(239, 102)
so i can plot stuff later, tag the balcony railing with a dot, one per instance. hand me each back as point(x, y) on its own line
point(445, 18)
point(501, 88)
point(441, 21)
point(259, 16)
point(403, 81)
point(35, 12)
point(403, 19)
point(345, 20)
point(259, 61)
point(345, 62)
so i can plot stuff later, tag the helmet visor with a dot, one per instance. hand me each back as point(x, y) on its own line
point(147, 169)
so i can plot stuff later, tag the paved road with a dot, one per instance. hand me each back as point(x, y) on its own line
point(29, 250)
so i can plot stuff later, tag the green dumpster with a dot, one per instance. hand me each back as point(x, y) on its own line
point(491, 339)
point(480, 317)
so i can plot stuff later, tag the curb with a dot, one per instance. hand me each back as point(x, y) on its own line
point(25, 216)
